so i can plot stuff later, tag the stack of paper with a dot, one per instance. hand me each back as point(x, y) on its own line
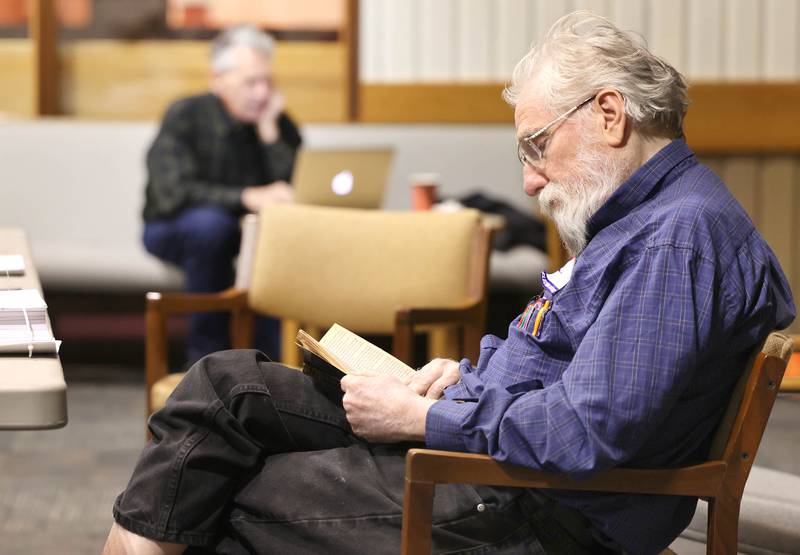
point(12, 265)
point(24, 326)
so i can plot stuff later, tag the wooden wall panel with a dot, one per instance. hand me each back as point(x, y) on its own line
point(427, 103)
point(741, 174)
point(776, 189)
point(777, 218)
point(781, 46)
point(705, 39)
point(137, 80)
point(476, 39)
point(744, 117)
point(794, 271)
point(436, 39)
point(513, 40)
point(17, 95)
point(743, 39)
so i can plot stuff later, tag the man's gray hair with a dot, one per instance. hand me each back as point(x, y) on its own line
point(241, 35)
point(583, 53)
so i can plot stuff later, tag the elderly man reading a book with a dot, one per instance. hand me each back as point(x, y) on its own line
point(627, 359)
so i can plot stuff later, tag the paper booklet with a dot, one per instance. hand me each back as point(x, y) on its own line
point(341, 352)
point(24, 326)
point(12, 265)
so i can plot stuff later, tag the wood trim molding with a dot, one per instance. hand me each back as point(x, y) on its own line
point(744, 118)
point(350, 39)
point(433, 103)
point(724, 118)
point(43, 31)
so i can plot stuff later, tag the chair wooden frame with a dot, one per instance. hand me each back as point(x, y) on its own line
point(469, 318)
point(720, 480)
point(791, 384)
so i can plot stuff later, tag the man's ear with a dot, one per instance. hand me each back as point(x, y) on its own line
point(612, 111)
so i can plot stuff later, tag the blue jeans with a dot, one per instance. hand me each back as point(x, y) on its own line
point(203, 241)
point(248, 457)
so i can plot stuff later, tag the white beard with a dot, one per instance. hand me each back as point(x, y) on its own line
point(571, 202)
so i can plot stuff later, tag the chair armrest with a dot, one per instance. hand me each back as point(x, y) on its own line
point(162, 305)
point(457, 315)
point(469, 316)
point(440, 467)
point(426, 467)
point(182, 303)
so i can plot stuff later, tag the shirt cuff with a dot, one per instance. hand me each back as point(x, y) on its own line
point(443, 425)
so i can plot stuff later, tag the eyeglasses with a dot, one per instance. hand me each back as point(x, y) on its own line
point(531, 153)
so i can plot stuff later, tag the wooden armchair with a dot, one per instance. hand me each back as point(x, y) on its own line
point(721, 479)
point(374, 272)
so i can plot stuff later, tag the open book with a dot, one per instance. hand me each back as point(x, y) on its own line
point(341, 352)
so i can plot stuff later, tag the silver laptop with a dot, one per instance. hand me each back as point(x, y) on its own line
point(354, 178)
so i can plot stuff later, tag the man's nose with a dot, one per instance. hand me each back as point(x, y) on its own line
point(534, 176)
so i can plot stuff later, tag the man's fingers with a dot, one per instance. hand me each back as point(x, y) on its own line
point(421, 382)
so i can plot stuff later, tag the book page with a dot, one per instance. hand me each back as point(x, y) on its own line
point(361, 356)
point(305, 341)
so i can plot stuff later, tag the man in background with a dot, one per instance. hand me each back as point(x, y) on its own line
point(217, 156)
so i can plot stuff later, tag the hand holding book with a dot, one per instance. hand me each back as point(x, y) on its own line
point(381, 408)
point(385, 400)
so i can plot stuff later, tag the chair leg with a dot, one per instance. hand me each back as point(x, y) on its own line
point(444, 342)
point(723, 525)
point(290, 355)
point(417, 514)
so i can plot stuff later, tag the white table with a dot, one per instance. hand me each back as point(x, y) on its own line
point(33, 394)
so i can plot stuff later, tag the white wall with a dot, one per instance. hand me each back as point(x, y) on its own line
point(77, 187)
point(481, 40)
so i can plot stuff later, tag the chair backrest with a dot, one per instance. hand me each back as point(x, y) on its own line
point(739, 433)
point(356, 267)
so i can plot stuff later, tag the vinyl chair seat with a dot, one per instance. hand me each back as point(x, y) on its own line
point(163, 388)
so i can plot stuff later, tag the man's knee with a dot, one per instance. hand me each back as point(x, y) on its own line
point(210, 231)
point(222, 373)
point(232, 372)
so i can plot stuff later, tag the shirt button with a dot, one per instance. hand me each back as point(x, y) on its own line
point(481, 507)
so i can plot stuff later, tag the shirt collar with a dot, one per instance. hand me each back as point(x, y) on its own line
point(634, 190)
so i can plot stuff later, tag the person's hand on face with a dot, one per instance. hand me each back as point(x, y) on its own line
point(268, 128)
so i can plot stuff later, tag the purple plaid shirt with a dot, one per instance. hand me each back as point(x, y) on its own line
point(632, 361)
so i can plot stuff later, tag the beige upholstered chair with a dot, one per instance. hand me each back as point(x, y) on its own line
point(373, 272)
point(721, 479)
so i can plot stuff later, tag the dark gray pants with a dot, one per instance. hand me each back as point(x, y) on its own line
point(247, 457)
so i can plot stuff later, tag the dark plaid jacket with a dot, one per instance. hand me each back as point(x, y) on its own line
point(203, 156)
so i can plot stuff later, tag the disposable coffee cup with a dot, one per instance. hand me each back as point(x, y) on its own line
point(423, 190)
